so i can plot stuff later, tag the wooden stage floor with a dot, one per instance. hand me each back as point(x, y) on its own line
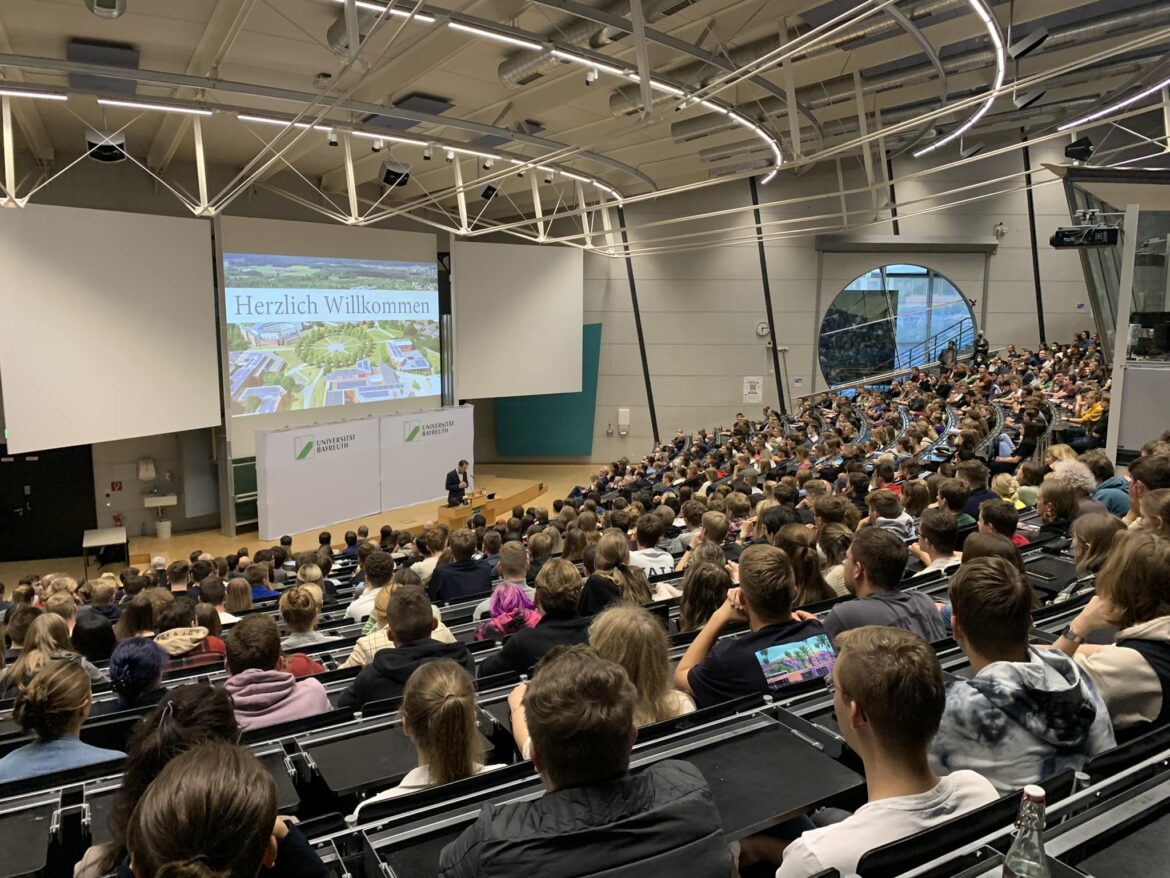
point(501, 478)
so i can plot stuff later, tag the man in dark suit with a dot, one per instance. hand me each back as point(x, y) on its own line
point(457, 481)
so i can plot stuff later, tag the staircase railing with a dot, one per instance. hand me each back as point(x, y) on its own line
point(926, 353)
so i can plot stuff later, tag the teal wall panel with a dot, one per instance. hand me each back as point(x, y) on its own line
point(553, 424)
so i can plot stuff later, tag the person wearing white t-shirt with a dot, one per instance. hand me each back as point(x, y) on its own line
point(938, 535)
point(648, 556)
point(889, 697)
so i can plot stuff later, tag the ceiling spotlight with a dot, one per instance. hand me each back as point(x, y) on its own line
point(106, 8)
point(1028, 43)
point(377, 145)
point(520, 172)
point(1025, 99)
point(449, 156)
point(591, 76)
point(1079, 150)
point(427, 153)
point(548, 176)
point(489, 192)
point(332, 137)
point(488, 163)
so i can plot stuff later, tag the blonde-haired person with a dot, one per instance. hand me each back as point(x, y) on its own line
point(309, 576)
point(46, 640)
point(556, 540)
point(1059, 452)
point(53, 705)
point(1007, 488)
point(1155, 509)
point(439, 716)
point(615, 579)
point(1092, 540)
point(369, 644)
point(1133, 593)
point(298, 609)
point(834, 541)
point(238, 597)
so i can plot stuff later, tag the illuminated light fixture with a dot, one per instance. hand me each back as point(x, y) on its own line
point(494, 35)
point(715, 108)
point(1112, 108)
point(577, 177)
point(420, 17)
point(770, 177)
point(265, 121)
point(1000, 71)
point(449, 155)
point(392, 138)
point(662, 86)
point(24, 93)
point(589, 62)
point(139, 105)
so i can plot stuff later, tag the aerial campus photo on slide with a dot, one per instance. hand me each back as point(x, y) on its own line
point(308, 332)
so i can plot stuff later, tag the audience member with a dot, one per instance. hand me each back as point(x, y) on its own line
point(799, 544)
point(704, 589)
point(633, 638)
point(20, 618)
point(182, 639)
point(379, 569)
point(93, 637)
point(615, 580)
point(1057, 504)
point(938, 537)
point(714, 670)
point(462, 578)
point(136, 672)
point(46, 641)
point(213, 592)
point(298, 609)
point(257, 577)
point(580, 714)
point(1155, 509)
point(1112, 490)
point(1001, 517)
point(510, 610)
point(263, 692)
point(833, 541)
point(874, 565)
point(238, 598)
point(886, 512)
point(368, 645)
point(650, 558)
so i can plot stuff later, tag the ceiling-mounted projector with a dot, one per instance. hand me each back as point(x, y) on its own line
point(106, 8)
point(105, 147)
point(395, 173)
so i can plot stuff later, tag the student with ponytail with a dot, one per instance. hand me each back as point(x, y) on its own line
point(800, 545)
point(53, 705)
point(614, 579)
point(438, 715)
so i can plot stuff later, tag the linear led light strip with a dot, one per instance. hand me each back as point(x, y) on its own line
point(420, 17)
point(26, 93)
point(1112, 108)
point(165, 108)
point(1000, 70)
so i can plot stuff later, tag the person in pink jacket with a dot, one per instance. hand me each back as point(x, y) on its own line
point(263, 693)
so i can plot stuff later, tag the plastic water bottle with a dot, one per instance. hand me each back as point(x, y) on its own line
point(1025, 858)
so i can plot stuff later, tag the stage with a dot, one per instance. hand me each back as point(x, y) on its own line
point(502, 479)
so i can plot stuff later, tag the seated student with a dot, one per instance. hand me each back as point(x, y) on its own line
point(704, 589)
point(1133, 593)
point(53, 705)
point(463, 577)
point(615, 579)
point(833, 542)
point(46, 640)
point(411, 624)
point(101, 600)
point(714, 670)
point(351, 545)
point(713, 530)
point(976, 475)
point(439, 716)
point(299, 611)
point(263, 693)
point(93, 636)
point(800, 545)
point(938, 537)
point(257, 577)
point(888, 696)
point(136, 671)
point(511, 610)
point(137, 619)
point(952, 497)
point(173, 832)
point(1155, 509)
point(19, 618)
point(649, 557)
point(1027, 713)
point(874, 564)
point(181, 638)
point(1001, 517)
point(886, 512)
point(513, 568)
point(237, 596)
point(430, 545)
point(212, 591)
point(558, 592)
point(378, 637)
point(636, 640)
point(1057, 504)
point(595, 817)
point(379, 568)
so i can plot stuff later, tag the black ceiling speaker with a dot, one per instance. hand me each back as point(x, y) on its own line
point(106, 147)
point(1079, 150)
point(489, 192)
point(395, 174)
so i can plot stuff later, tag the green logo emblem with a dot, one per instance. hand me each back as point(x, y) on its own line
point(304, 447)
point(411, 430)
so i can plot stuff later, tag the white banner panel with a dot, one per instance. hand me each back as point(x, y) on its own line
point(419, 449)
point(310, 477)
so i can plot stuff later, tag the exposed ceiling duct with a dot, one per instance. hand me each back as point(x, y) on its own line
point(521, 68)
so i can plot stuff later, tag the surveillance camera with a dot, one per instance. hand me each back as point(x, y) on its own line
point(449, 156)
point(332, 137)
point(591, 76)
point(377, 145)
point(426, 153)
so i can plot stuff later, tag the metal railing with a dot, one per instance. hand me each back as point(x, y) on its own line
point(927, 352)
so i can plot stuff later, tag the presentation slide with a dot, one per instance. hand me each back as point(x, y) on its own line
point(312, 332)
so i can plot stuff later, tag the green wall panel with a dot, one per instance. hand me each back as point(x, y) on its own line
point(553, 424)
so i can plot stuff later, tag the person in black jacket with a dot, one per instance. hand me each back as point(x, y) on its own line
point(463, 577)
point(558, 588)
point(411, 622)
point(456, 485)
point(595, 816)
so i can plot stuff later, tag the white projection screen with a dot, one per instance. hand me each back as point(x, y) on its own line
point(518, 318)
point(325, 323)
point(109, 326)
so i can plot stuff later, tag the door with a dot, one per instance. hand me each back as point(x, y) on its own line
point(46, 503)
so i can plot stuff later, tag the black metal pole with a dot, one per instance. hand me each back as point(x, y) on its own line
point(1032, 233)
point(767, 295)
point(638, 324)
point(893, 194)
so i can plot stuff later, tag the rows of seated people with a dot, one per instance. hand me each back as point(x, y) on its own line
point(849, 544)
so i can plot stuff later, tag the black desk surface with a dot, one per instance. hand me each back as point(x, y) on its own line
point(380, 757)
point(24, 838)
point(1144, 851)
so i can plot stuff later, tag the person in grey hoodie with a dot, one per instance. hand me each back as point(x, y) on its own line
point(1027, 713)
point(886, 512)
point(262, 692)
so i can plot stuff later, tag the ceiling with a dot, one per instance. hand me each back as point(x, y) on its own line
point(901, 79)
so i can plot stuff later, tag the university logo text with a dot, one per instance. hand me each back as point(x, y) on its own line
point(308, 445)
point(412, 431)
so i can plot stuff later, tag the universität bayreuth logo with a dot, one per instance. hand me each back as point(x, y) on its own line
point(304, 446)
point(410, 430)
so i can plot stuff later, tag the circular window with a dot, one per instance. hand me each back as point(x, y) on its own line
point(892, 318)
